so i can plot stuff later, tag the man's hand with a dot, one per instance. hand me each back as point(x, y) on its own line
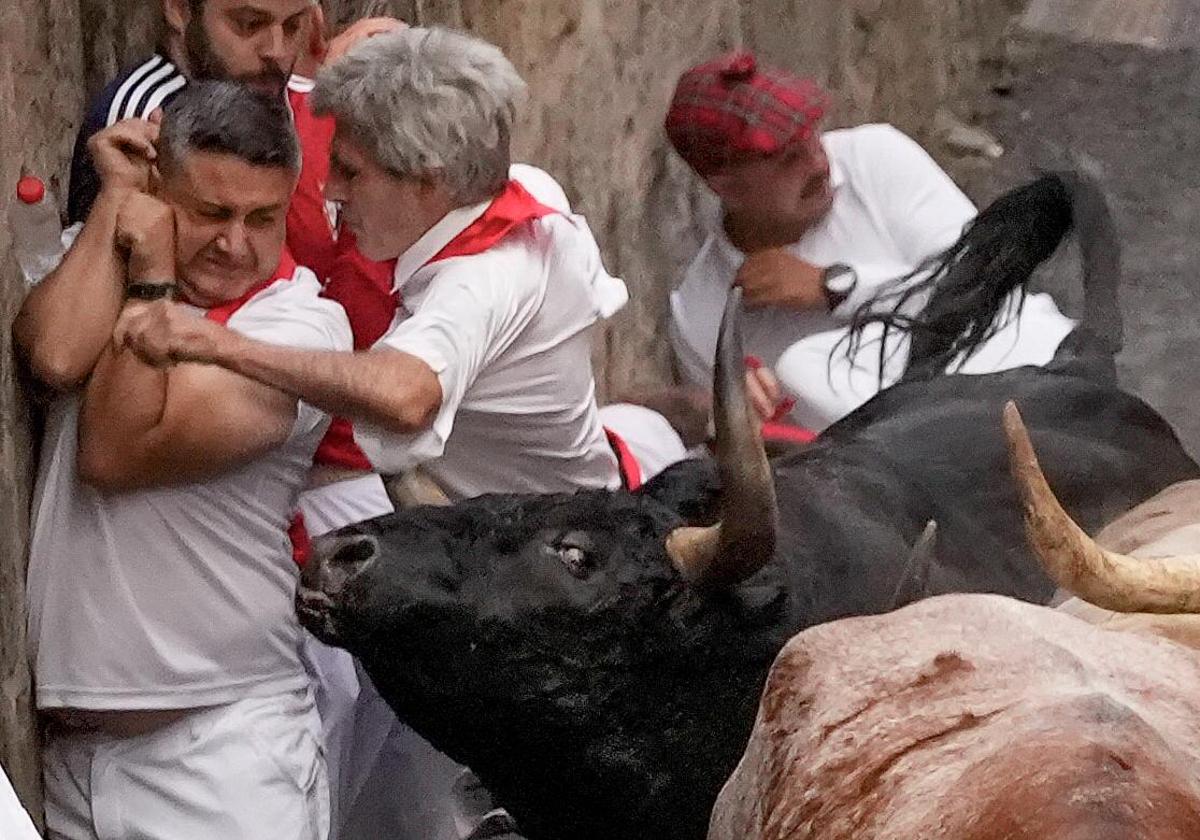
point(146, 229)
point(766, 395)
point(124, 153)
point(162, 333)
point(357, 32)
point(774, 277)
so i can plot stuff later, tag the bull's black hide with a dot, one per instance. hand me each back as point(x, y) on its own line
point(548, 643)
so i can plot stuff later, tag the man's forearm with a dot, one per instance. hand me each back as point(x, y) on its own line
point(68, 318)
point(386, 388)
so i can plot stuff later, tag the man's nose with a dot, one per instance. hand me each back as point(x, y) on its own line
point(234, 239)
point(335, 188)
point(273, 49)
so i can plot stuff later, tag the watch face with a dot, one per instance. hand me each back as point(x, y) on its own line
point(840, 279)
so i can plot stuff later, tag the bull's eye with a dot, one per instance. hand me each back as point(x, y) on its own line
point(575, 559)
point(573, 550)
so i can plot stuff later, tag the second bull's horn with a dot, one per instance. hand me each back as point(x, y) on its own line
point(1074, 560)
point(743, 541)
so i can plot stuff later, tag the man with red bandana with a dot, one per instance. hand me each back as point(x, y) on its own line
point(813, 225)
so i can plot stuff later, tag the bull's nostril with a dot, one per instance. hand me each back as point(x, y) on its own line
point(356, 552)
point(336, 559)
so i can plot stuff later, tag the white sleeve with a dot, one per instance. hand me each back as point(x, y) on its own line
point(921, 208)
point(471, 313)
point(924, 209)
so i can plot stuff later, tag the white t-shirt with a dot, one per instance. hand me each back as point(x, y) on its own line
point(180, 596)
point(893, 208)
point(508, 333)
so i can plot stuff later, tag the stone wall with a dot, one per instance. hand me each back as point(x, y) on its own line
point(41, 95)
point(600, 73)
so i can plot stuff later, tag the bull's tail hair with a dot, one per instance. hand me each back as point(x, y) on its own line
point(977, 286)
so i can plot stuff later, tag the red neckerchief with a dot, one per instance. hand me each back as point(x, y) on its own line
point(221, 313)
point(508, 211)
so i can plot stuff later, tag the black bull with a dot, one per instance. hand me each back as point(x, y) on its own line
point(603, 684)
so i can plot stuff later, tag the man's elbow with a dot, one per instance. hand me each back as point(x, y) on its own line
point(417, 407)
point(57, 370)
point(50, 362)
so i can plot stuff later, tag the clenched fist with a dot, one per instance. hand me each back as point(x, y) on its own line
point(774, 277)
point(163, 333)
point(125, 152)
point(146, 229)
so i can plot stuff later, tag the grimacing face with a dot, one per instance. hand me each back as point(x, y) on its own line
point(256, 42)
point(229, 223)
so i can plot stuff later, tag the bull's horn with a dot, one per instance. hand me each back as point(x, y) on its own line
point(415, 488)
point(914, 580)
point(744, 541)
point(1074, 560)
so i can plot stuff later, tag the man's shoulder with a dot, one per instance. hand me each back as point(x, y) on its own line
point(292, 312)
point(136, 92)
point(868, 138)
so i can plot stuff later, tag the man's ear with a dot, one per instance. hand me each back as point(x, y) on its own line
point(178, 14)
point(155, 183)
point(719, 182)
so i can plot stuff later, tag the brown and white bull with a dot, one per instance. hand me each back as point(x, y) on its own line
point(976, 717)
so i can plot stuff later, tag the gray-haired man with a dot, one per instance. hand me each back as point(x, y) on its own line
point(484, 376)
point(161, 580)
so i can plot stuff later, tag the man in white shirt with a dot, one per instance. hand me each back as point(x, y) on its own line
point(161, 580)
point(813, 226)
point(484, 376)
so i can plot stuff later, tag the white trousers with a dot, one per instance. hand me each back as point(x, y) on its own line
point(827, 385)
point(248, 770)
point(15, 823)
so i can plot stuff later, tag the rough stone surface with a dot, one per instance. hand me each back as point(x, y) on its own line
point(40, 99)
point(1127, 114)
point(601, 73)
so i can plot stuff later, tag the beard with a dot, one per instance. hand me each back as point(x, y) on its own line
point(204, 63)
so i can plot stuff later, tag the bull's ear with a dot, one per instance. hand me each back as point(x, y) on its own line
point(692, 489)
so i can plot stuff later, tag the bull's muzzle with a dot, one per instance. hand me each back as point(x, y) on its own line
point(334, 562)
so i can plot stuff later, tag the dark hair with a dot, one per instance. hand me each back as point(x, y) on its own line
point(229, 118)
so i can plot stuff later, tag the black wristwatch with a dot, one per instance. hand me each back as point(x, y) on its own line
point(150, 290)
point(838, 282)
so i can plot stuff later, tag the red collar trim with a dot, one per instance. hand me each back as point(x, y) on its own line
point(512, 208)
point(221, 313)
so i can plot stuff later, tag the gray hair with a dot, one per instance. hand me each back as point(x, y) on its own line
point(425, 102)
point(232, 119)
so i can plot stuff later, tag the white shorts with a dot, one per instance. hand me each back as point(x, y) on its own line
point(244, 771)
